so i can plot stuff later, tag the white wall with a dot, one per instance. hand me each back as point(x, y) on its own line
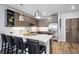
point(64, 17)
point(2, 16)
point(59, 34)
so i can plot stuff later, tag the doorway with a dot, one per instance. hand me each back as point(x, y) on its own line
point(72, 30)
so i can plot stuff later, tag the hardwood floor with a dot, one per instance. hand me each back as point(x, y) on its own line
point(65, 48)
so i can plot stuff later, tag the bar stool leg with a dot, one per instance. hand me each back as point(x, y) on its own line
point(16, 51)
point(22, 51)
point(2, 47)
point(5, 48)
point(8, 49)
point(12, 49)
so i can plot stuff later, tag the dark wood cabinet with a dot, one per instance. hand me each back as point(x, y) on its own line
point(13, 20)
point(28, 21)
point(46, 22)
point(10, 18)
point(43, 23)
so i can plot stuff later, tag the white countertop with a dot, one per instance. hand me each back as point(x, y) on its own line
point(40, 37)
point(16, 32)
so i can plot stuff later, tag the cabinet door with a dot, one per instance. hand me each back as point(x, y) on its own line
point(53, 19)
point(17, 22)
point(27, 21)
point(10, 18)
point(35, 22)
point(43, 23)
point(46, 22)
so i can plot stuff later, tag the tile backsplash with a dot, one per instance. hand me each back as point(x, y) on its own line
point(21, 29)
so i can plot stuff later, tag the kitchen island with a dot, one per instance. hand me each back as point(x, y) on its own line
point(43, 39)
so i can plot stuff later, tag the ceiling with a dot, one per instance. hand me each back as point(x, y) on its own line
point(44, 9)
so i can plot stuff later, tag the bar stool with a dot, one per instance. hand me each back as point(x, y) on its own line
point(11, 44)
point(20, 45)
point(34, 47)
point(4, 43)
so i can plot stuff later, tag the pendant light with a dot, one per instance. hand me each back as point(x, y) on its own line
point(37, 14)
point(21, 17)
point(40, 15)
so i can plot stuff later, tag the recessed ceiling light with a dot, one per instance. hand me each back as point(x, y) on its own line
point(73, 7)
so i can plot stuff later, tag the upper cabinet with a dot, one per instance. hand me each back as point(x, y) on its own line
point(43, 23)
point(46, 22)
point(10, 18)
point(28, 21)
point(13, 20)
point(53, 19)
point(18, 23)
